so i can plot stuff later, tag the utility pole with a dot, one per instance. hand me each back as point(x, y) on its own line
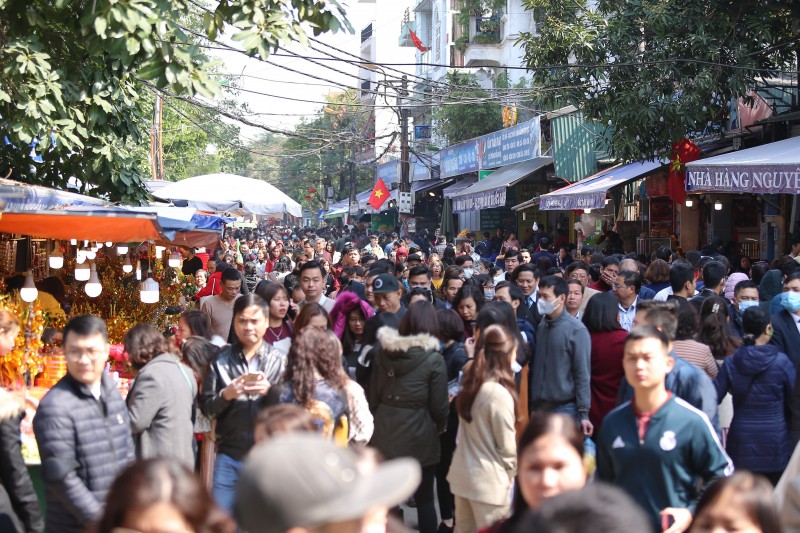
point(156, 142)
point(405, 185)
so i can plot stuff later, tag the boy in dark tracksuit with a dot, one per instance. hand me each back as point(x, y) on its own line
point(656, 446)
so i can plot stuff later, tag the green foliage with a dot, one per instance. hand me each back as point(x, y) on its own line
point(71, 73)
point(460, 122)
point(653, 71)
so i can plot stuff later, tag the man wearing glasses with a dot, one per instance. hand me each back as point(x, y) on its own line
point(83, 430)
point(579, 271)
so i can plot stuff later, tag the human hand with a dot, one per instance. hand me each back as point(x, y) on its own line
point(608, 279)
point(469, 346)
point(681, 519)
point(587, 428)
point(256, 383)
point(234, 389)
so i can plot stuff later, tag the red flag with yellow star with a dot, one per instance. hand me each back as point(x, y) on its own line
point(379, 195)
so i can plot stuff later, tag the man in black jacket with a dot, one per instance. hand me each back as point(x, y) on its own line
point(83, 430)
point(234, 392)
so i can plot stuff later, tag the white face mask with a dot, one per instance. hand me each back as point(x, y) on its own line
point(546, 307)
point(489, 294)
point(468, 272)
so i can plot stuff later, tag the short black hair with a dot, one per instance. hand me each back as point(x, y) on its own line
point(85, 326)
point(631, 279)
point(713, 274)
point(648, 332)
point(610, 260)
point(578, 265)
point(451, 327)
point(526, 267)
point(557, 283)
point(461, 259)
point(601, 313)
point(512, 254)
point(679, 274)
point(248, 300)
point(514, 292)
point(795, 274)
point(744, 284)
point(587, 250)
point(420, 270)
point(312, 264)
point(230, 274)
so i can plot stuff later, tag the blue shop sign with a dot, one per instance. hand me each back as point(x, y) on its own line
point(511, 145)
point(459, 159)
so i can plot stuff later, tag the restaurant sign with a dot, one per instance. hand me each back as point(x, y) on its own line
point(759, 179)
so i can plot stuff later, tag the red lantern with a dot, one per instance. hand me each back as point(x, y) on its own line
point(312, 190)
point(308, 197)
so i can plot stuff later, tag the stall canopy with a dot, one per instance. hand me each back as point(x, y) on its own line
point(229, 192)
point(490, 192)
point(458, 186)
point(99, 224)
point(768, 169)
point(21, 196)
point(590, 193)
point(426, 185)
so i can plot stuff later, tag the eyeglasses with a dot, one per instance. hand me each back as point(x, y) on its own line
point(93, 354)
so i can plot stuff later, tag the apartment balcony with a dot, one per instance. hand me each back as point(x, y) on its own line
point(483, 48)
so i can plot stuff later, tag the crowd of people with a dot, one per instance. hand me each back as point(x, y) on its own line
point(322, 378)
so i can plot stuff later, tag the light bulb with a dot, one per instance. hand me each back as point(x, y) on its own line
point(174, 260)
point(82, 272)
point(535, 226)
point(607, 200)
point(28, 292)
point(160, 251)
point(689, 203)
point(73, 242)
point(718, 205)
point(109, 244)
point(93, 287)
point(56, 259)
point(98, 245)
point(91, 254)
point(80, 256)
point(587, 211)
point(122, 249)
point(149, 291)
point(127, 267)
point(94, 249)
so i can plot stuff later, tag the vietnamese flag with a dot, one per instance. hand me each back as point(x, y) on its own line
point(379, 195)
point(417, 42)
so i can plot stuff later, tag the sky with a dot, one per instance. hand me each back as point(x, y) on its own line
point(280, 82)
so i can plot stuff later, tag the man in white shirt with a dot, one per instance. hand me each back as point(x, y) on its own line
point(374, 249)
point(312, 281)
point(219, 308)
point(626, 287)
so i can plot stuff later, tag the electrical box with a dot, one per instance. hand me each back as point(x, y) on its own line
point(405, 203)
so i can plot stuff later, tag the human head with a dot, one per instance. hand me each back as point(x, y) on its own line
point(627, 286)
point(549, 460)
point(646, 360)
point(420, 276)
point(85, 340)
point(579, 270)
point(231, 281)
point(387, 293)
point(552, 296)
point(714, 276)
point(451, 327)
point(688, 322)
point(211, 266)
point(610, 267)
point(200, 278)
point(468, 302)
point(280, 419)
point(276, 296)
point(250, 320)
point(315, 354)
point(143, 343)
point(525, 256)
point(163, 495)
point(682, 278)
point(745, 291)
point(312, 280)
point(197, 352)
point(193, 322)
point(512, 260)
point(741, 502)
point(450, 288)
point(511, 294)
point(602, 313)
point(420, 318)
point(9, 329)
point(661, 315)
point(313, 315)
point(300, 482)
point(526, 277)
point(755, 322)
point(574, 296)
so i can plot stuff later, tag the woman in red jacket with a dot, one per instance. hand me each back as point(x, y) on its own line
point(601, 318)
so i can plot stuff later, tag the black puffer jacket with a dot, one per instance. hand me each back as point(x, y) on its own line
point(19, 508)
point(408, 396)
point(84, 443)
point(235, 418)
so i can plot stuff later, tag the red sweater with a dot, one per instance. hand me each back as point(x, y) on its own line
point(607, 373)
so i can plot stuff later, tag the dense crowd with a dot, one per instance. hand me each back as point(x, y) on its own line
point(323, 377)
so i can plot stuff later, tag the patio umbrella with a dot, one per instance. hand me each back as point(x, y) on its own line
point(447, 227)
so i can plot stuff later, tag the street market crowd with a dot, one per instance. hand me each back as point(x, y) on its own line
point(331, 379)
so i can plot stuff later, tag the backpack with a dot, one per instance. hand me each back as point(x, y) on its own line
point(332, 425)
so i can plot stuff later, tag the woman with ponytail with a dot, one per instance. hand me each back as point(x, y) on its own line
point(485, 460)
point(760, 378)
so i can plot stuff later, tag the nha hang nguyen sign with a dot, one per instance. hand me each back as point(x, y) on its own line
point(480, 200)
point(760, 179)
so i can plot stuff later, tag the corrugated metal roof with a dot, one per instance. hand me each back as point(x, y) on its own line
point(573, 147)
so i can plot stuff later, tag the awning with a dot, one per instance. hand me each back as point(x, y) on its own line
point(590, 193)
point(533, 202)
point(16, 196)
point(426, 185)
point(101, 225)
point(490, 192)
point(768, 169)
point(459, 186)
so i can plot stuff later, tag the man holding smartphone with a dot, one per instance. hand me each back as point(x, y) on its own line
point(235, 389)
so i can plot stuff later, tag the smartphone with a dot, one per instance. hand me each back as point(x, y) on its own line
point(252, 378)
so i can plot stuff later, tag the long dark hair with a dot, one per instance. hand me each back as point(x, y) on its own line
point(602, 313)
point(148, 482)
point(314, 353)
point(714, 331)
point(348, 338)
point(420, 318)
point(198, 352)
point(309, 311)
point(198, 323)
point(490, 363)
point(268, 291)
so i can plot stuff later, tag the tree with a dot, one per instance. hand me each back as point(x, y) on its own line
point(459, 122)
point(653, 71)
point(74, 71)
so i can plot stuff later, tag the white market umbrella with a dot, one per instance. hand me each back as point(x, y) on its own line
point(229, 192)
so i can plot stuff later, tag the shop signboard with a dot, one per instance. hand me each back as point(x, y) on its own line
point(382, 223)
point(567, 202)
point(758, 179)
point(480, 200)
point(459, 159)
point(510, 145)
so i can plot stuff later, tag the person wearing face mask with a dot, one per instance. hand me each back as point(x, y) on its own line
point(745, 296)
point(786, 323)
point(560, 367)
point(466, 264)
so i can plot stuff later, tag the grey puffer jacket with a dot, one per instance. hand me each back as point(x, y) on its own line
point(19, 507)
point(84, 443)
point(408, 396)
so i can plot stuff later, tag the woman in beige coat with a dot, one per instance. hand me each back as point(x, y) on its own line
point(485, 460)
